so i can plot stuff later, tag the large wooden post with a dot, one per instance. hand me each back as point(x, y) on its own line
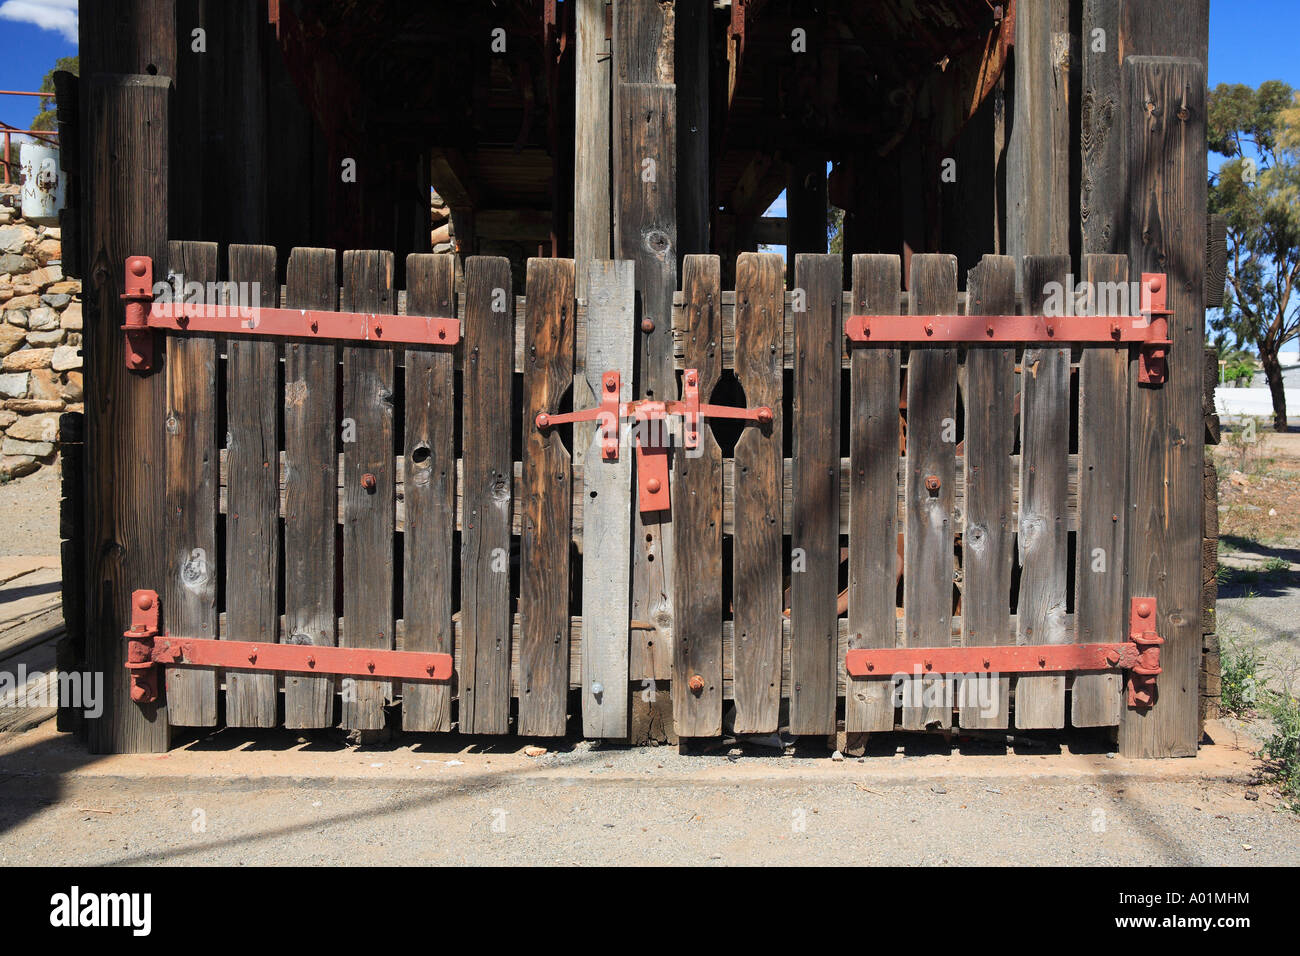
point(1164, 103)
point(644, 177)
point(128, 57)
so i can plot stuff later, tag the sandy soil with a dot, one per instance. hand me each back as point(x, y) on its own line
point(29, 514)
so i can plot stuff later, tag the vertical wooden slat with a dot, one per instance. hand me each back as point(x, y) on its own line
point(646, 233)
point(989, 534)
point(310, 487)
point(592, 210)
point(873, 495)
point(1100, 614)
point(368, 502)
point(931, 454)
point(814, 587)
point(697, 517)
point(546, 500)
point(1166, 136)
point(253, 492)
point(606, 515)
point(430, 492)
point(757, 575)
point(1102, 195)
point(190, 601)
point(488, 470)
point(1043, 535)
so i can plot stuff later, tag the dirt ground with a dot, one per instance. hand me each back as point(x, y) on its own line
point(274, 799)
point(29, 514)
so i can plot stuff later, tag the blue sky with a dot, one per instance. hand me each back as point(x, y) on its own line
point(33, 34)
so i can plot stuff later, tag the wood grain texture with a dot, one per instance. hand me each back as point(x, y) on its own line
point(429, 492)
point(608, 496)
point(1041, 207)
point(988, 538)
point(546, 503)
point(928, 564)
point(485, 540)
point(190, 598)
point(697, 518)
point(873, 515)
point(311, 475)
point(1100, 609)
point(1102, 199)
point(757, 573)
point(814, 531)
point(645, 194)
point(253, 496)
point(1042, 535)
point(367, 511)
point(126, 144)
point(1166, 173)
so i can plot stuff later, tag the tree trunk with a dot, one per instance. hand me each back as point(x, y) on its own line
point(1273, 375)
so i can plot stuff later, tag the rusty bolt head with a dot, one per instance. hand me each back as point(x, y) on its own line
point(987, 663)
point(653, 485)
point(252, 656)
point(1157, 283)
point(647, 326)
point(610, 384)
point(442, 333)
point(870, 666)
point(765, 415)
point(370, 666)
point(144, 601)
point(368, 481)
point(988, 330)
point(429, 669)
point(1042, 662)
point(691, 378)
point(311, 661)
point(697, 684)
point(1143, 609)
point(543, 420)
point(929, 328)
point(932, 484)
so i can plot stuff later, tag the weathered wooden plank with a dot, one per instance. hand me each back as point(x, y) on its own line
point(485, 540)
point(190, 597)
point(757, 575)
point(989, 534)
point(368, 486)
point(1038, 155)
point(607, 486)
point(1043, 539)
point(1102, 200)
point(546, 503)
point(126, 137)
point(311, 476)
point(253, 499)
point(928, 564)
point(1100, 613)
point(814, 530)
point(873, 513)
point(645, 232)
point(1166, 174)
point(697, 518)
point(429, 492)
point(592, 211)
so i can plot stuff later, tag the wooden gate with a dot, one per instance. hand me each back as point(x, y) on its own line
point(437, 499)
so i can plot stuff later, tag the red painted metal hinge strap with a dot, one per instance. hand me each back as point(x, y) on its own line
point(1149, 330)
point(652, 457)
point(144, 314)
point(147, 650)
point(1139, 655)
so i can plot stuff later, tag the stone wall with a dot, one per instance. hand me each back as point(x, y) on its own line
point(40, 341)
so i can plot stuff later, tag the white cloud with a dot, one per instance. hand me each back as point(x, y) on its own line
point(60, 15)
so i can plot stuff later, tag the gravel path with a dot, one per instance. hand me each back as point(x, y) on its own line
point(29, 513)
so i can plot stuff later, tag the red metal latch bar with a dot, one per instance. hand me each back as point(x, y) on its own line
point(1149, 330)
point(144, 314)
point(1139, 655)
point(146, 651)
point(652, 450)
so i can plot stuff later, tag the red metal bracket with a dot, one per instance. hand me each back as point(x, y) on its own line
point(256, 320)
point(146, 651)
point(652, 456)
point(1149, 330)
point(1140, 655)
